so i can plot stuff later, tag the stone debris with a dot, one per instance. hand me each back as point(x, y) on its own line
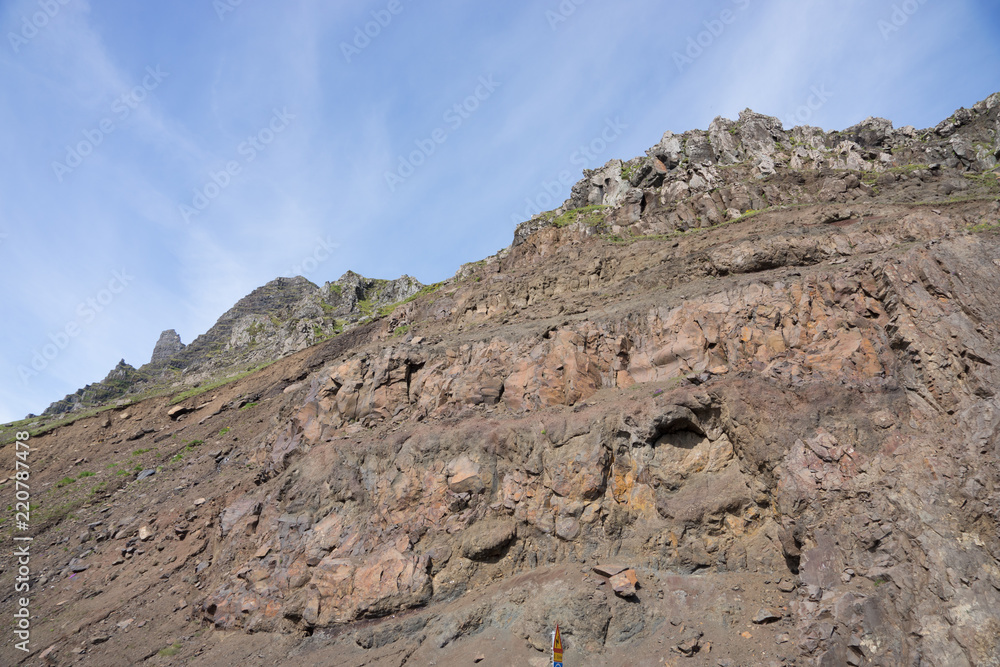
point(691, 643)
point(786, 585)
point(609, 570)
point(178, 411)
point(624, 583)
point(48, 655)
point(765, 615)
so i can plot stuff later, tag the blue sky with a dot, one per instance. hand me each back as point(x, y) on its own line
point(276, 125)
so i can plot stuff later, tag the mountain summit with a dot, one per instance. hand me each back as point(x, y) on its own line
point(284, 316)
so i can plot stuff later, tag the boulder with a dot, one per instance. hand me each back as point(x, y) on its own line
point(624, 583)
point(609, 570)
point(765, 615)
point(488, 539)
point(463, 476)
point(177, 411)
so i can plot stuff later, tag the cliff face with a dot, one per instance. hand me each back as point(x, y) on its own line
point(756, 370)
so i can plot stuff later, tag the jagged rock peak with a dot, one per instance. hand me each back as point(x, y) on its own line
point(277, 294)
point(352, 287)
point(692, 164)
point(122, 371)
point(167, 346)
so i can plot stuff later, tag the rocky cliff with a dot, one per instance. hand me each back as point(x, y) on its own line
point(284, 316)
point(734, 403)
point(167, 346)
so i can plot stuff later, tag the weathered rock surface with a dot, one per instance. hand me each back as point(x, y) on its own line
point(624, 583)
point(282, 317)
point(786, 428)
point(167, 346)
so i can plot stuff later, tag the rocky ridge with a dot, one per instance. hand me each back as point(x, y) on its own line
point(767, 437)
point(284, 316)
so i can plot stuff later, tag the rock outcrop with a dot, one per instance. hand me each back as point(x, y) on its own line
point(282, 317)
point(119, 382)
point(734, 403)
point(167, 346)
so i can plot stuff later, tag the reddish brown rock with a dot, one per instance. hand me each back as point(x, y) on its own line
point(803, 394)
point(624, 583)
point(463, 476)
point(609, 570)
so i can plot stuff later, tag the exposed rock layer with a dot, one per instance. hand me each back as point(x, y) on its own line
point(785, 428)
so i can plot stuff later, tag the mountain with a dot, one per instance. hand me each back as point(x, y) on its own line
point(734, 402)
point(284, 316)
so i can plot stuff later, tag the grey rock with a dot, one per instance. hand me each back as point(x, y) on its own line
point(786, 585)
point(721, 132)
point(759, 133)
point(567, 527)
point(691, 643)
point(765, 615)
point(699, 149)
point(670, 150)
point(870, 132)
point(439, 556)
point(167, 346)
